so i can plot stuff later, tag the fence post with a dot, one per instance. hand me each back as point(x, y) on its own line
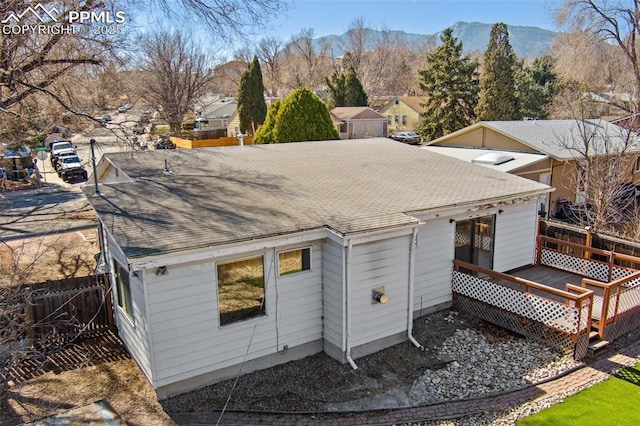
point(29, 317)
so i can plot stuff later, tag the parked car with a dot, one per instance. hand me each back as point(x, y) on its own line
point(145, 117)
point(59, 148)
point(164, 143)
point(411, 138)
point(105, 118)
point(71, 167)
point(138, 128)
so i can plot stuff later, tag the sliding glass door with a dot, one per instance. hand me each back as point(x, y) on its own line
point(474, 241)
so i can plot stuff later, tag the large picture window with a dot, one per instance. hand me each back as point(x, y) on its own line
point(123, 289)
point(241, 289)
point(290, 262)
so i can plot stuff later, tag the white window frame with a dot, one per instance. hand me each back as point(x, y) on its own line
point(122, 299)
point(290, 250)
point(261, 314)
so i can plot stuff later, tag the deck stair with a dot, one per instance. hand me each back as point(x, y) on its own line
point(596, 343)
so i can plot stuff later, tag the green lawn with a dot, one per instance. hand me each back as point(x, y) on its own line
point(616, 401)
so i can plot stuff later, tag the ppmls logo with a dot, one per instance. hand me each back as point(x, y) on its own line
point(97, 23)
point(39, 11)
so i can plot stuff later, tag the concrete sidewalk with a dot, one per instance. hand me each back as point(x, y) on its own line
point(588, 374)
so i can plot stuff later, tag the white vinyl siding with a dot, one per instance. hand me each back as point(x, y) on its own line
point(434, 264)
point(381, 263)
point(133, 331)
point(187, 338)
point(515, 237)
point(332, 265)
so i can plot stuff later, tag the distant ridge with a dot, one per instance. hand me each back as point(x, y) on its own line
point(526, 41)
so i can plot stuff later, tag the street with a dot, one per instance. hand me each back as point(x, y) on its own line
point(58, 206)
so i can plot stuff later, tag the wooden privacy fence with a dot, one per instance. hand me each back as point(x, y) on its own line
point(58, 311)
point(581, 236)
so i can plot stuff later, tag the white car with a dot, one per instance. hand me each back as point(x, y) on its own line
point(412, 138)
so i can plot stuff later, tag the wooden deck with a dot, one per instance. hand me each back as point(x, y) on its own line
point(545, 275)
point(548, 276)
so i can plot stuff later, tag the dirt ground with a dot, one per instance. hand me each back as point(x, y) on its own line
point(47, 258)
point(282, 388)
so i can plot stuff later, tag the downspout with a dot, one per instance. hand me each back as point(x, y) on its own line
point(412, 268)
point(347, 285)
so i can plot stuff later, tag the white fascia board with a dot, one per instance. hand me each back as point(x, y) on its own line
point(212, 252)
point(459, 210)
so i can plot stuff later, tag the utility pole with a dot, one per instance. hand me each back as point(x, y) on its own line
point(95, 172)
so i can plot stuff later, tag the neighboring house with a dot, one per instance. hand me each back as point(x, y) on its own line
point(233, 125)
point(557, 140)
point(359, 123)
point(403, 113)
point(213, 117)
point(232, 260)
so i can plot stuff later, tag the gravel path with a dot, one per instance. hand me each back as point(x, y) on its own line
point(475, 359)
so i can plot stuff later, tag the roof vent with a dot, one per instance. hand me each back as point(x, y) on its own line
point(493, 158)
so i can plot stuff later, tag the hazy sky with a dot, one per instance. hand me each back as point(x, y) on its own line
point(417, 16)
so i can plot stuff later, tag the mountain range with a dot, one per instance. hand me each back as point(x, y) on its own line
point(526, 41)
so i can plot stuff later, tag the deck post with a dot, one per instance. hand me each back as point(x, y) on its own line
point(587, 242)
point(539, 250)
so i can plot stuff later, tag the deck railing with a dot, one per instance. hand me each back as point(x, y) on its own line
point(601, 265)
point(616, 288)
point(568, 310)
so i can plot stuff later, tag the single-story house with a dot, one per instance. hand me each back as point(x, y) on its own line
point(403, 112)
point(359, 123)
point(238, 259)
point(559, 141)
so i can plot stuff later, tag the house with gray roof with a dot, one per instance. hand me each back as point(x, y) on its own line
point(560, 142)
point(241, 258)
point(359, 122)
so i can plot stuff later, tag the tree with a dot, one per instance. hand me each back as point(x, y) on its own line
point(270, 55)
point(306, 65)
point(497, 100)
point(535, 87)
point(345, 90)
point(605, 157)
point(39, 69)
point(44, 71)
point(224, 18)
point(301, 116)
point(252, 108)
point(176, 72)
point(450, 83)
point(617, 23)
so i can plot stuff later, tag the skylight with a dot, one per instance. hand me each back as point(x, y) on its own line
point(493, 158)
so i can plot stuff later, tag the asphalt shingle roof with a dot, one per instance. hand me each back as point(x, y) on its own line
point(563, 139)
point(221, 195)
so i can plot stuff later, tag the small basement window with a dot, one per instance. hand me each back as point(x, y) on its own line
point(241, 289)
point(290, 262)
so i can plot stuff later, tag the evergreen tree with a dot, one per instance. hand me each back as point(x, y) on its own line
point(252, 107)
point(498, 100)
point(345, 90)
point(299, 117)
point(535, 87)
point(450, 82)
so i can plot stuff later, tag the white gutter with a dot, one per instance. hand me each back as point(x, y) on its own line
point(347, 285)
point(412, 268)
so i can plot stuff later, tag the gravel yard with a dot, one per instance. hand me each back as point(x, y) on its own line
point(463, 357)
